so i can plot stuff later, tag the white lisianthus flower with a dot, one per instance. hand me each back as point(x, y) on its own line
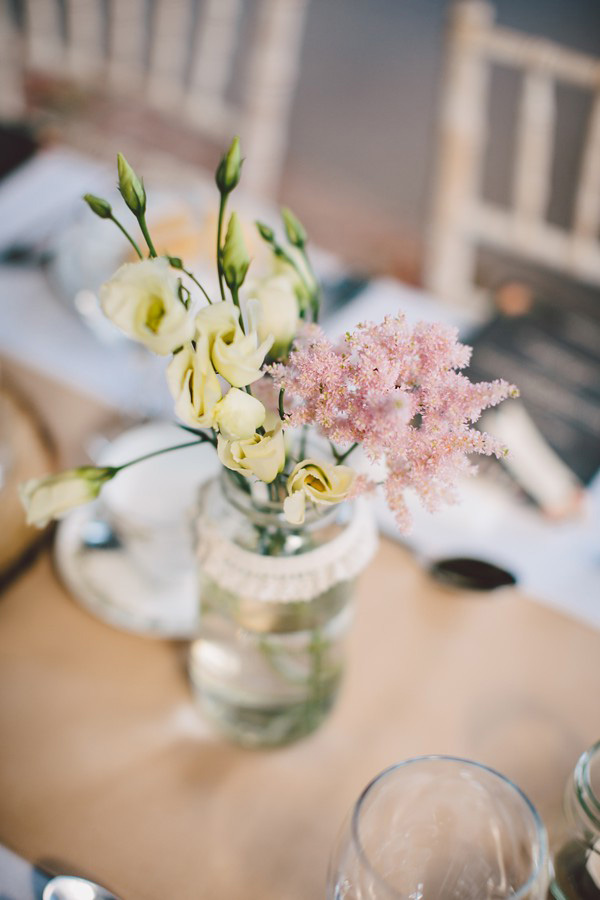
point(262, 455)
point(194, 384)
point(273, 309)
point(322, 483)
point(55, 495)
point(238, 415)
point(142, 300)
point(239, 359)
point(236, 356)
point(217, 318)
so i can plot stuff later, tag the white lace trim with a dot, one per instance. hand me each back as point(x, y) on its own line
point(293, 578)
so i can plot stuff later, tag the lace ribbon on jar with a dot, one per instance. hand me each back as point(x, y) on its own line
point(289, 579)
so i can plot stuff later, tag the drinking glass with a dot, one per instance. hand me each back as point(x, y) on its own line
point(440, 828)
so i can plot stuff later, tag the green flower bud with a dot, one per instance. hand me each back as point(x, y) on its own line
point(55, 495)
point(266, 233)
point(131, 187)
point(175, 262)
point(235, 254)
point(230, 168)
point(295, 231)
point(101, 207)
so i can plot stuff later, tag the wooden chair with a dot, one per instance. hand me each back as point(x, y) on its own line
point(185, 60)
point(462, 219)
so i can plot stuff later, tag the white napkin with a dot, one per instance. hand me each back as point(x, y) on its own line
point(43, 194)
point(19, 880)
point(39, 331)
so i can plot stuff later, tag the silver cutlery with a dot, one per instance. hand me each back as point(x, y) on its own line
point(70, 887)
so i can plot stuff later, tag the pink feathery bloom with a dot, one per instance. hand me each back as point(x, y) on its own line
point(398, 392)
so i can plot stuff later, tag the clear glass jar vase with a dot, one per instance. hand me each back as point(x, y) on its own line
point(275, 607)
point(577, 860)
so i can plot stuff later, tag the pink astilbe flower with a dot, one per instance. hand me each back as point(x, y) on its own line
point(397, 391)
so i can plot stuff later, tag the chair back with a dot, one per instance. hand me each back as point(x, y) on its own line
point(222, 67)
point(463, 220)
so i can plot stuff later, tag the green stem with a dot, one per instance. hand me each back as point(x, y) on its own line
point(222, 206)
point(146, 233)
point(283, 254)
point(313, 289)
point(242, 481)
point(340, 457)
point(209, 438)
point(281, 409)
point(316, 295)
point(315, 680)
point(303, 441)
point(132, 462)
point(273, 657)
point(128, 236)
point(235, 294)
point(195, 280)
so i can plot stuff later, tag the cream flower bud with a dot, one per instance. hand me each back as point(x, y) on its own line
point(142, 299)
point(194, 384)
point(235, 254)
point(262, 455)
point(131, 187)
point(273, 309)
point(238, 415)
point(319, 482)
point(55, 495)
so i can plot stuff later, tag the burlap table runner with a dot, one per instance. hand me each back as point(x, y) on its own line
point(106, 768)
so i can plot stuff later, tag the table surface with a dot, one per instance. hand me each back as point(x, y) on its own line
point(106, 767)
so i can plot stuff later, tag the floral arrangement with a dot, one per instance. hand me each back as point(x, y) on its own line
point(251, 372)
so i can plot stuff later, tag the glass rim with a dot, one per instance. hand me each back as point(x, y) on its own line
point(540, 828)
point(585, 794)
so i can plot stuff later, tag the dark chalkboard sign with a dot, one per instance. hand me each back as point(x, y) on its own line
point(550, 348)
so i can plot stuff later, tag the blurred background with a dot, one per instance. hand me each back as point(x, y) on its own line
point(359, 123)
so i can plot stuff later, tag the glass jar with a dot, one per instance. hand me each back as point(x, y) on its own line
point(275, 607)
point(577, 862)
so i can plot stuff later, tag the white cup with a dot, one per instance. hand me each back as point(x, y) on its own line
point(151, 505)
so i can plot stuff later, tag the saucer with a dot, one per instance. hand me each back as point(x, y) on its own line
point(107, 580)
